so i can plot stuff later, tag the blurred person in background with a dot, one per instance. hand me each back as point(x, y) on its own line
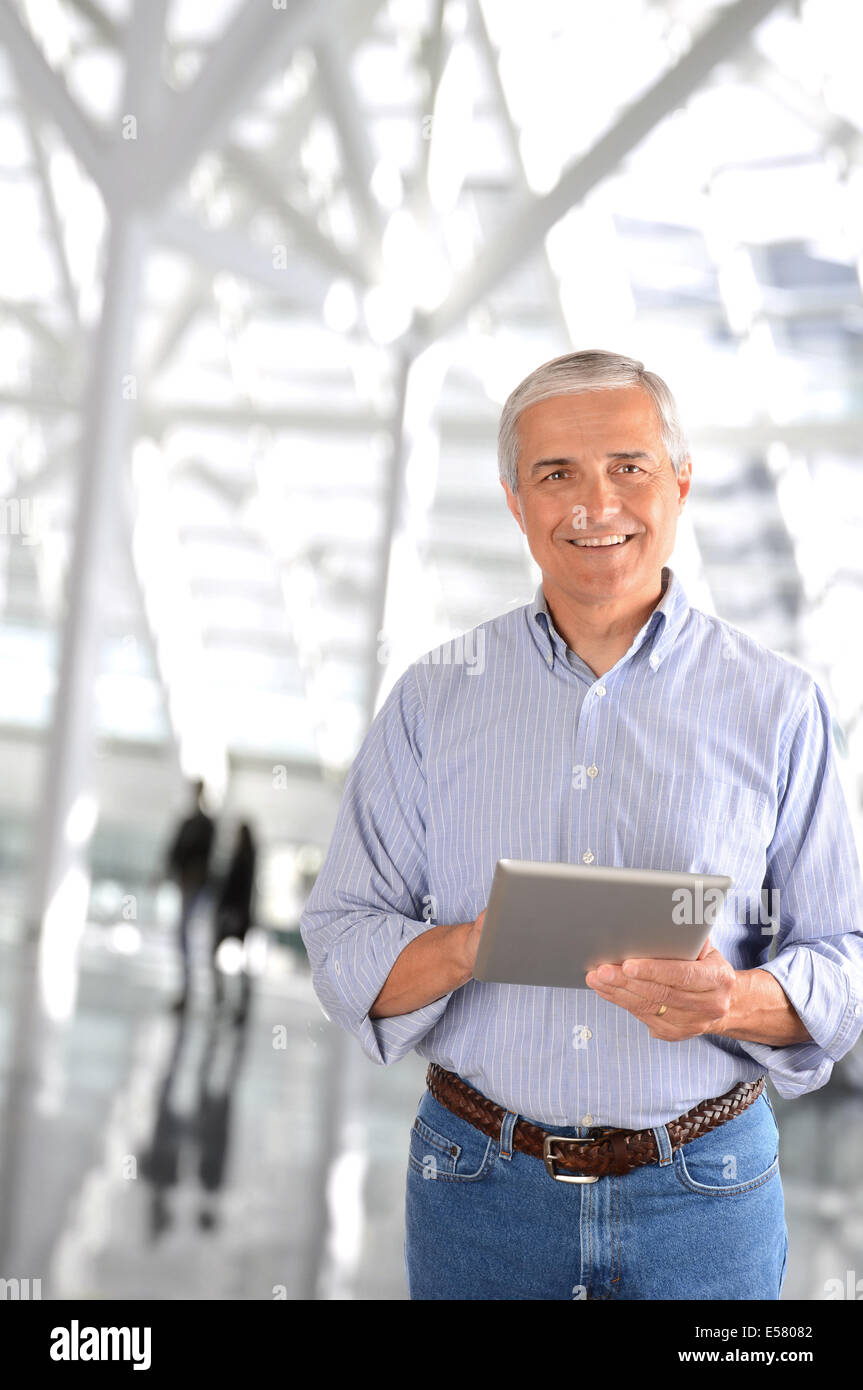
point(233, 914)
point(187, 864)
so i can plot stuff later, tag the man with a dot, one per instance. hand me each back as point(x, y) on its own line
point(615, 1142)
point(187, 863)
point(233, 917)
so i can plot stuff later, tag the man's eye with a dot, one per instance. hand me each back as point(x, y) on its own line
point(561, 472)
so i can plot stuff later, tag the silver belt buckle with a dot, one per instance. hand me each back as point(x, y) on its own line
point(548, 1159)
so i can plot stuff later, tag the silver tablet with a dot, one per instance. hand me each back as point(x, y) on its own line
point(548, 924)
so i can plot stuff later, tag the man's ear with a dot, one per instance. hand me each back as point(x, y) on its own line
point(513, 503)
point(684, 481)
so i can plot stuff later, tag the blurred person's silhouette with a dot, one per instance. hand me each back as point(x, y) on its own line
point(187, 863)
point(233, 914)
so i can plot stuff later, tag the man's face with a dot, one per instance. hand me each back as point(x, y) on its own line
point(576, 483)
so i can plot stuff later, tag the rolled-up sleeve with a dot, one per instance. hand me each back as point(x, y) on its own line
point(813, 867)
point(370, 898)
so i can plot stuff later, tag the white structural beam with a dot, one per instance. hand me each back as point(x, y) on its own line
point(53, 222)
point(417, 381)
point(435, 52)
point(301, 277)
point(101, 23)
point(248, 54)
point(62, 831)
point(30, 316)
point(479, 29)
point(143, 90)
point(264, 183)
point(47, 92)
point(173, 327)
point(286, 276)
point(394, 500)
point(524, 231)
point(358, 158)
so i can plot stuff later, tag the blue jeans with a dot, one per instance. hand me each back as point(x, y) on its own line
point(485, 1222)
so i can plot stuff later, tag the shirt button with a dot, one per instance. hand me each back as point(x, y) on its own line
point(587, 857)
point(858, 1011)
point(338, 968)
point(654, 661)
point(592, 770)
point(600, 690)
point(587, 1119)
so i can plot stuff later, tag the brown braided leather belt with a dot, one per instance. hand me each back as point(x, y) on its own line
point(610, 1151)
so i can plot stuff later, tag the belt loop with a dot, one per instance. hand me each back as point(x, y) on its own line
point(663, 1144)
point(506, 1129)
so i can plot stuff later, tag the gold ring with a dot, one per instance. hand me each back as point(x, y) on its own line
point(663, 1009)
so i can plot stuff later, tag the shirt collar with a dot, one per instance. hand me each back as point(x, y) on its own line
point(661, 628)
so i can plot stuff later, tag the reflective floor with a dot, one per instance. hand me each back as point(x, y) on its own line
point(151, 1154)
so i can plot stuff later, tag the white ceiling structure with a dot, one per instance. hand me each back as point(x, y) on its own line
point(270, 270)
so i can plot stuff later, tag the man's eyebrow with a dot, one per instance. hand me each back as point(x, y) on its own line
point(613, 454)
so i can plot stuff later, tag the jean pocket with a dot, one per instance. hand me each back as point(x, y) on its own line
point(770, 1108)
point(446, 1148)
point(738, 1157)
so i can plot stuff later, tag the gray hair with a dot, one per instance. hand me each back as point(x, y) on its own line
point(592, 370)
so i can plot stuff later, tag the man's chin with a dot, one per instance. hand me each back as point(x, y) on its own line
point(578, 578)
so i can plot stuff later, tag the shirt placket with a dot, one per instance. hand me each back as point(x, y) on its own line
point(583, 836)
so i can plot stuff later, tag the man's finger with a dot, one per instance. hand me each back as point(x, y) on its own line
point(647, 1001)
point(648, 977)
point(694, 975)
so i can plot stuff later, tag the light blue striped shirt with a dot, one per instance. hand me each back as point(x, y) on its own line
point(700, 750)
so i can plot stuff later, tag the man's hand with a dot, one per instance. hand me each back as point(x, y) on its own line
point(703, 996)
point(697, 994)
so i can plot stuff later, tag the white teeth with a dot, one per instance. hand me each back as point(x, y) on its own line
point(607, 540)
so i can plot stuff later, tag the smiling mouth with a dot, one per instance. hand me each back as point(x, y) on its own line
point(602, 542)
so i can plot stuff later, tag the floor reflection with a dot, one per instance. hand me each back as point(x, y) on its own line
point(202, 1134)
point(211, 1155)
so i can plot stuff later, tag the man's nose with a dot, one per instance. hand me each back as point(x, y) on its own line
point(599, 497)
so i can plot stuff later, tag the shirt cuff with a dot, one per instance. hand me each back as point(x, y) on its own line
point(355, 976)
point(824, 997)
point(794, 1069)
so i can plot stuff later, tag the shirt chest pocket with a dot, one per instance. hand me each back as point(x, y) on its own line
point(700, 825)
